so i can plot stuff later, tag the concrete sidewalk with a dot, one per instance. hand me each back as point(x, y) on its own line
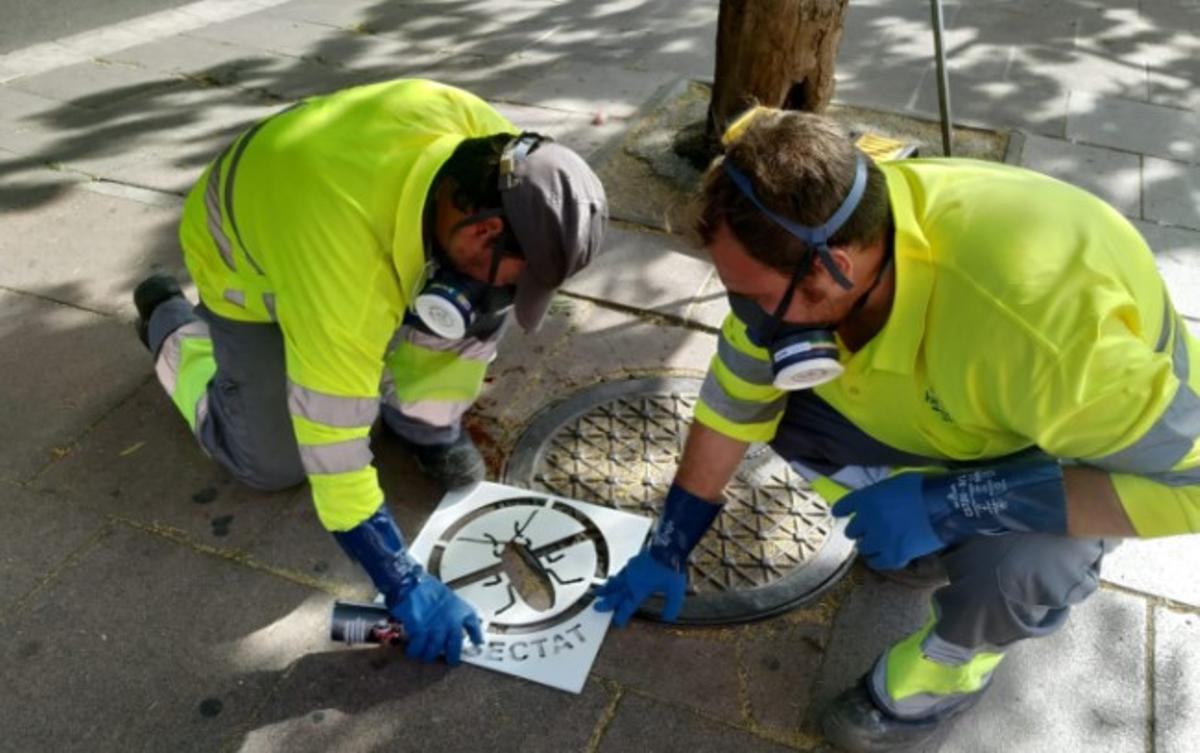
point(151, 603)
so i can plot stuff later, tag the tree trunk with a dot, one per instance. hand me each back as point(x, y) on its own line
point(778, 53)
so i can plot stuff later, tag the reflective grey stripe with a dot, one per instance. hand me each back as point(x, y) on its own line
point(1165, 334)
point(332, 410)
point(744, 366)
point(1179, 353)
point(439, 413)
point(938, 649)
point(468, 348)
point(201, 413)
point(1171, 437)
point(212, 210)
point(338, 457)
point(171, 352)
point(1187, 477)
point(212, 194)
point(230, 173)
point(236, 297)
point(737, 411)
point(269, 305)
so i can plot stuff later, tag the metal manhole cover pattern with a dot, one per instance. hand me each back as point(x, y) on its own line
point(618, 444)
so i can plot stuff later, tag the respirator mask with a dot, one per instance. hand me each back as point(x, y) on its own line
point(802, 356)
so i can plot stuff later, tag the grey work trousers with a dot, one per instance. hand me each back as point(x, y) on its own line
point(1002, 589)
point(244, 423)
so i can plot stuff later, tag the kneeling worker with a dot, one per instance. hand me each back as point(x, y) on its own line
point(986, 356)
point(356, 250)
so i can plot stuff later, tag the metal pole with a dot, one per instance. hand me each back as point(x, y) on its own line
point(943, 81)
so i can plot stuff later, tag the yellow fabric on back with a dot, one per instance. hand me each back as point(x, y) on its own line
point(324, 212)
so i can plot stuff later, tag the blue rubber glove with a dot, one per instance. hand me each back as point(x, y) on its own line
point(891, 524)
point(662, 566)
point(642, 577)
point(914, 514)
point(433, 616)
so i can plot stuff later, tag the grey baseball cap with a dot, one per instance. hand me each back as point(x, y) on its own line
point(557, 209)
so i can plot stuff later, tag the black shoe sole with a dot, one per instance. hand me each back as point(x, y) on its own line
point(855, 724)
point(151, 293)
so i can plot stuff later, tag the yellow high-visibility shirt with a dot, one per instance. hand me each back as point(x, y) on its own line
point(313, 219)
point(1028, 313)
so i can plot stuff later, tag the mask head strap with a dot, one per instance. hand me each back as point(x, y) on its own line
point(815, 237)
point(515, 151)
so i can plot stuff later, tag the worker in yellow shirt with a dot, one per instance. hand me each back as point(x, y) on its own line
point(979, 364)
point(360, 253)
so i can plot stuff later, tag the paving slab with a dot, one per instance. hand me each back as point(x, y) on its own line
point(711, 305)
point(1177, 252)
point(41, 533)
point(691, 55)
point(158, 650)
point(1079, 70)
point(1172, 192)
point(1134, 126)
point(184, 54)
point(1038, 107)
point(296, 541)
point(141, 464)
point(612, 344)
point(646, 270)
point(781, 660)
point(518, 383)
point(1176, 84)
point(374, 699)
point(92, 83)
point(65, 368)
point(37, 58)
point(581, 86)
point(1113, 176)
point(888, 87)
point(268, 32)
point(19, 109)
point(161, 139)
point(298, 78)
point(1176, 680)
point(489, 77)
point(25, 183)
point(343, 14)
point(876, 614)
point(894, 32)
point(393, 55)
point(646, 724)
point(581, 132)
point(1164, 567)
point(581, 344)
point(696, 668)
point(1082, 689)
point(53, 249)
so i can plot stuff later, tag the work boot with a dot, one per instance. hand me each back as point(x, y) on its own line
point(148, 295)
point(453, 465)
point(856, 724)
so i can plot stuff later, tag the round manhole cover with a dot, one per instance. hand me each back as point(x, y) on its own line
point(774, 545)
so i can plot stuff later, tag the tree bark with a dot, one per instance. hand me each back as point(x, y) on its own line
point(778, 53)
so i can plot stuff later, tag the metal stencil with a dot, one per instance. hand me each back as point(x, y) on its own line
point(773, 547)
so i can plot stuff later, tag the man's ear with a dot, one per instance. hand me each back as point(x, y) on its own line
point(843, 260)
point(488, 228)
point(818, 285)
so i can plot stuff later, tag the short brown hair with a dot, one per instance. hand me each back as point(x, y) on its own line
point(801, 166)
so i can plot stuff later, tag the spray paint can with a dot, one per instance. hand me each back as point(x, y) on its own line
point(354, 623)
